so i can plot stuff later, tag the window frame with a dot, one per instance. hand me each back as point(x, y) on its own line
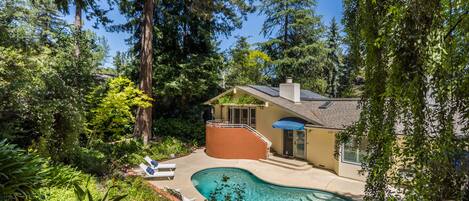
point(357, 151)
point(237, 110)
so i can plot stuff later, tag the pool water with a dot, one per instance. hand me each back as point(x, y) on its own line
point(237, 184)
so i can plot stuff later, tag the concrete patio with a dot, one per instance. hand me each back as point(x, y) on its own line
point(312, 178)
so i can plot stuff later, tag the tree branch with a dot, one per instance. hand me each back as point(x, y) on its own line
point(455, 25)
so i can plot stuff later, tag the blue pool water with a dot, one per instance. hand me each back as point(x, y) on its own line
point(239, 184)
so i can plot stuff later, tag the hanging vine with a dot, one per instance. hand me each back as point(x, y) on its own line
point(414, 107)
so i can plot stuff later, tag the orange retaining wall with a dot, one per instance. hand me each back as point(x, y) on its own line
point(234, 143)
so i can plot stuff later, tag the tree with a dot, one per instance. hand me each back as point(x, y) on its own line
point(42, 90)
point(247, 66)
point(334, 64)
point(295, 48)
point(90, 6)
point(414, 69)
point(144, 115)
point(112, 117)
point(187, 56)
point(186, 62)
point(351, 71)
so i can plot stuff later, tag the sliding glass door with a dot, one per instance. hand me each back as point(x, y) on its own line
point(242, 115)
point(299, 141)
point(294, 143)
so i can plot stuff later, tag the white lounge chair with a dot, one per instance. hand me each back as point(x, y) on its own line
point(155, 173)
point(159, 165)
point(177, 193)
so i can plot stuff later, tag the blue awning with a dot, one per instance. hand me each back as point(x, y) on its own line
point(290, 123)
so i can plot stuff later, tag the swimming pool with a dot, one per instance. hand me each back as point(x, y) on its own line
point(239, 184)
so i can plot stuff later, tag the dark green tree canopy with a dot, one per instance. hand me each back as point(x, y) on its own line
point(294, 45)
point(334, 67)
point(246, 66)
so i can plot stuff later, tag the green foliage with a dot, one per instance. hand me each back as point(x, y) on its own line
point(20, 172)
point(182, 128)
point(247, 66)
point(124, 66)
point(296, 48)
point(91, 8)
point(112, 118)
point(85, 194)
point(186, 62)
point(59, 175)
point(165, 147)
point(181, 87)
point(104, 158)
point(135, 188)
point(60, 193)
point(414, 61)
point(119, 154)
point(334, 68)
point(352, 69)
point(238, 100)
point(90, 161)
point(42, 84)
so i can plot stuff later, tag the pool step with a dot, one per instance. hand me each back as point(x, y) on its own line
point(287, 163)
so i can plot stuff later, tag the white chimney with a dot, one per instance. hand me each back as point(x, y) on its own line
point(290, 90)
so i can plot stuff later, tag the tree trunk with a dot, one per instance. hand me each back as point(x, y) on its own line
point(144, 119)
point(78, 25)
point(285, 28)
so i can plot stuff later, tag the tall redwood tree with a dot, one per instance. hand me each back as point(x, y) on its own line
point(144, 117)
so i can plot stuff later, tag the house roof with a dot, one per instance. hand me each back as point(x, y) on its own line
point(337, 113)
point(320, 111)
point(305, 95)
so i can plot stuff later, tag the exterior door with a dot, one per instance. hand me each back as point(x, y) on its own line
point(241, 115)
point(287, 142)
point(299, 144)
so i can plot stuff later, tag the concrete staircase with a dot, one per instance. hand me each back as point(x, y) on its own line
point(286, 163)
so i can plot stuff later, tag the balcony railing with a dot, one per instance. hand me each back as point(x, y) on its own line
point(218, 123)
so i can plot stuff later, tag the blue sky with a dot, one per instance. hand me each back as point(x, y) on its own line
point(251, 27)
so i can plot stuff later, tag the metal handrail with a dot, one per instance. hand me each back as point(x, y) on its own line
point(221, 124)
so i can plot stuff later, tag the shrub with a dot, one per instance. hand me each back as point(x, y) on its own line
point(112, 118)
point(188, 129)
point(20, 172)
point(66, 192)
point(166, 146)
point(91, 161)
point(62, 176)
point(120, 153)
point(135, 188)
point(83, 194)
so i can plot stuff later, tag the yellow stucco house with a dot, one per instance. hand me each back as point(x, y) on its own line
point(271, 123)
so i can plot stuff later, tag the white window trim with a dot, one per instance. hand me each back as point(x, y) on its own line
point(342, 149)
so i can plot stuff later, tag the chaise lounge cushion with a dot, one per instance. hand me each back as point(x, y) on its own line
point(154, 163)
point(150, 171)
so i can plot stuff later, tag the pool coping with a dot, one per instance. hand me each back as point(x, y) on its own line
point(275, 184)
point(316, 179)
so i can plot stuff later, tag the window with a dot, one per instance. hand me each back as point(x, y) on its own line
point(236, 116)
point(353, 152)
point(244, 116)
point(253, 118)
point(240, 115)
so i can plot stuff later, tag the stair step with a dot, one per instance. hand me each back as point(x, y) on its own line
point(285, 165)
point(287, 161)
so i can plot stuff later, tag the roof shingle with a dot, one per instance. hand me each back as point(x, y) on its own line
point(339, 114)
